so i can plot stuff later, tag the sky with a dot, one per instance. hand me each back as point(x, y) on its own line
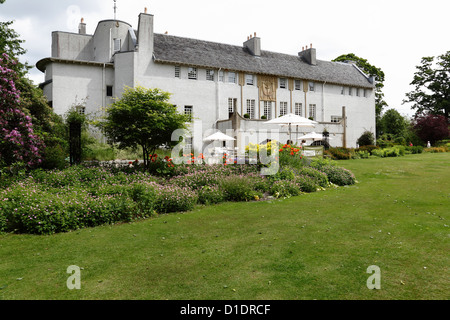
point(393, 35)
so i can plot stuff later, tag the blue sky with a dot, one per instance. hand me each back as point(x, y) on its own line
point(391, 34)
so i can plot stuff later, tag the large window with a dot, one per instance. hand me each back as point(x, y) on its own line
point(283, 108)
point(192, 73)
point(251, 108)
point(232, 77)
point(312, 111)
point(210, 75)
point(232, 103)
point(268, 110)
point(298, 109)
point(297, 85)
point(283, 84)
point(249, 79)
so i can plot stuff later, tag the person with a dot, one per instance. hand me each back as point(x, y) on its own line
point(428, 144)
point(410, 144)
point(303, 143)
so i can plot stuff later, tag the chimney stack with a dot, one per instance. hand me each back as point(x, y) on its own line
point(253, 44)
point(308, 55)
point(82, 27)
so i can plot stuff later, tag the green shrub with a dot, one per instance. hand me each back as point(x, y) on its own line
point(339, 176)
point(285, 188)
point(366, 139)
point(367, 148)
point(210, 195)
point(340, 153)
point(2, 222)
point(319, 177)
point(144, 196)
point(238, 188)
point(171, 198)
point(306, 184)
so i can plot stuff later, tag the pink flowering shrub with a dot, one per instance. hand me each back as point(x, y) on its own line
point(19, 145)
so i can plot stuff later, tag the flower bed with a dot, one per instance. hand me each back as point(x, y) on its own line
point(55, 201)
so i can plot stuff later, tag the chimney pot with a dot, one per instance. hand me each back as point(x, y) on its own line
point(82, 27)
point(255, 34)
point(145, 10)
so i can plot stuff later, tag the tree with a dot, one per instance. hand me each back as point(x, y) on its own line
point(20, 146)
point(370, 70)
point(394, 123)
point(46, 124)
point(142, 117)
point(431, 127)
point(431, 83)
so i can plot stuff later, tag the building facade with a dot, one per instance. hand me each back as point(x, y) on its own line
point(231, 88)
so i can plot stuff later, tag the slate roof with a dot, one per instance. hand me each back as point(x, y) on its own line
point(185, 51)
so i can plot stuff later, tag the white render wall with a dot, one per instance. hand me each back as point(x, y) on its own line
point(76, 84)
point(73, 83)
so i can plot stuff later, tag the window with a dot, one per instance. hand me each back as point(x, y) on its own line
point(268, 109)
point(210, 75)
point(177, 72)
point(109, 91)
point(188, 110)
point(283, 108)
point(192, 74)
point(312, 86)
point(350, 91)
point(312, 111)
point(365, 93)
point(282, 83)
point(251, 108)
point(342, 90)
point(298, 109)
point(357, 92)
point(249, 79)
point(232, 77)
point(81, 110)
point(232, 103)
point(221, 76)
point(187, 145)
point(117, 45)
point(297, 85)
point(336, 119)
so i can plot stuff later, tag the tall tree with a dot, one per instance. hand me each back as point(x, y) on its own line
point(46, 123)
point(394, 123)
point(142, 117)
point(431, 83)
point(370, 70)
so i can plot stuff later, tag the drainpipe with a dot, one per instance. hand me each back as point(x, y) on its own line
point(218, 96)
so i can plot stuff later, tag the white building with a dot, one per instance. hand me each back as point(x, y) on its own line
point(225, 86)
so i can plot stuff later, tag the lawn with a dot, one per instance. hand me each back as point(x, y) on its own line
point(313, 246)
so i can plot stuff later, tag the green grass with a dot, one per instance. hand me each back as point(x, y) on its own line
point(314, 246)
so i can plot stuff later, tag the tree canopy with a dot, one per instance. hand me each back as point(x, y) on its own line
point(142, 117)
point(431, 83)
